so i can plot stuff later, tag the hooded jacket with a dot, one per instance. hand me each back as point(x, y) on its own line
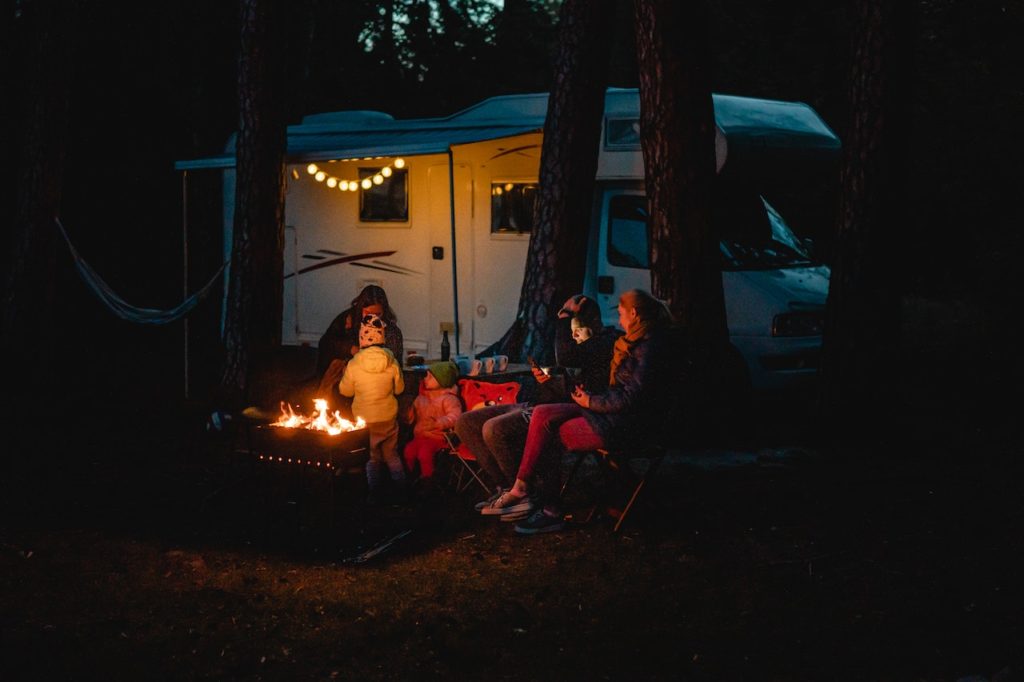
point(373, 379)
point(436, 411)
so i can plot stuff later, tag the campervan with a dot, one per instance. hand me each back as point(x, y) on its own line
point(438, 212)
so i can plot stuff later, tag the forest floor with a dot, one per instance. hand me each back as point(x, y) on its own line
point(141, 547)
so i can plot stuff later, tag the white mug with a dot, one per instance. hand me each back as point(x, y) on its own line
point(475, 366)
point(501, 362)
point(488, 364)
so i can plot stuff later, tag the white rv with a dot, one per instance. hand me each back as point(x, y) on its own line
point(438, 212)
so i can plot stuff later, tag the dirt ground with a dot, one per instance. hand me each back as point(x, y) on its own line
point(142, 547)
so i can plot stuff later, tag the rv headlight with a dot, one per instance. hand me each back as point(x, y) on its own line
point(798, 324)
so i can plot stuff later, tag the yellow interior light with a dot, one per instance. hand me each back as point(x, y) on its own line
point(295, 174)
point(508, 187)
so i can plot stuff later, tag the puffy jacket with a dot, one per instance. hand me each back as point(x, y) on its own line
point(592, 357)
point(372, 379)
point(436, 411)
point(634, 408)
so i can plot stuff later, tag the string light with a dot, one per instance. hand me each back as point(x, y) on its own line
point(366, 183)
point(312, 169)
point(332, 182)
point(399, 163)
point(320, 176)
point(386, 171)
point(354, 185)
point(378, 179)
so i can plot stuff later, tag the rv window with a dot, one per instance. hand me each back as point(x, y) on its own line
point(754, 235)
point(627, 231)
point(387, 201)
point(512, 207)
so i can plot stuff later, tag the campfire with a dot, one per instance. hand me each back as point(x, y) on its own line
point(330, 423)
point(323, 439)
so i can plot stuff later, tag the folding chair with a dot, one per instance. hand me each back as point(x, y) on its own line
point(614, 465)
point(475, 394)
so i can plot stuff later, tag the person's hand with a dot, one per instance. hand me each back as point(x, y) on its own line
point(581, 397)
point(571, 306)
point(539, 374)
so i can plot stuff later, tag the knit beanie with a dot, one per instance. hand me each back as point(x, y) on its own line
point(445, 372)
point(371, 331)
point(589, 314)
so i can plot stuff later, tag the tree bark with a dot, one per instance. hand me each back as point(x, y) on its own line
point(677, 134)
point(29, 326)
point(862, 324)
point(556, 257)
point(255, 288)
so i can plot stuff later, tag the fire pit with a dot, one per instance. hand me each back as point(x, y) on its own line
point(323, 440)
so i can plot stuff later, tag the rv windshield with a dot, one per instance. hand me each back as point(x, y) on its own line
point(754, 235)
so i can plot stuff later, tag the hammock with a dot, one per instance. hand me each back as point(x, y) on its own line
point(125, 310)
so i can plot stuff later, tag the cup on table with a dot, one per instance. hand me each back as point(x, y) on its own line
point(488, 364)
point(464, 364)
point(500, 363)
point(475, 365)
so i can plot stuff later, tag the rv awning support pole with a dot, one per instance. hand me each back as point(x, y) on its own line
point(455, 270)
point(184, 269)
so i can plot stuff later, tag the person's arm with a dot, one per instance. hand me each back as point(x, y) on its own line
point(452, 410)
point(399, 379)
point(625, 394)
point(347, 386)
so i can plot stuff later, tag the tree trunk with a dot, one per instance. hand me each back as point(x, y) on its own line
point(556, 258)
point(29, 327)
point(255, 288)
point(677, 133)
point(863, 313)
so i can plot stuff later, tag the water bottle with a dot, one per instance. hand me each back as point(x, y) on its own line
point(446, 348)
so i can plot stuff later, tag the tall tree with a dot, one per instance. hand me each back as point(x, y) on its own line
point(677, 135)
point(863, 312)
point(556, 259)
point(255, 289)
point(29, 327)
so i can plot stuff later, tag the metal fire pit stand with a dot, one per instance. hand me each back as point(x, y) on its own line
point(305, 454)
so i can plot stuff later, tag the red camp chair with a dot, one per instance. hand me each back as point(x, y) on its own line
point(474, 395)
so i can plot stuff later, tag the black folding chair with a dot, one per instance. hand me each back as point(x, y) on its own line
point(614, 465)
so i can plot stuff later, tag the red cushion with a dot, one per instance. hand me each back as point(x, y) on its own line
point(476, 394)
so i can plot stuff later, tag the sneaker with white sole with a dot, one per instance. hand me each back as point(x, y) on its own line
point(508, 503)
point(490, 500)
point(541, 521)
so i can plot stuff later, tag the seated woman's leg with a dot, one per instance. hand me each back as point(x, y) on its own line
point(469, 428)
point(574, 435)
point(543, 433)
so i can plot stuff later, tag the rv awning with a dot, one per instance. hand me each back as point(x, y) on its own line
point(325, 144)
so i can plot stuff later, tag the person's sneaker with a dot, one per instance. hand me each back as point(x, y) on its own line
point(508, 503)
point(540, 522)
point(513, 517)
point(490, 500)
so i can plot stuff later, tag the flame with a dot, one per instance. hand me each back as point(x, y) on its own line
point(321, 420)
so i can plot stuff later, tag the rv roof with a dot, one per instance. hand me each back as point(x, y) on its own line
point(350, 134)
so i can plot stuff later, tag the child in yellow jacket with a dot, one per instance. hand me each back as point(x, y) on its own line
point(372, 379)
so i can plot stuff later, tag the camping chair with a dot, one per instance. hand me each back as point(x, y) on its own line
point(615, 468)
point(476, 394)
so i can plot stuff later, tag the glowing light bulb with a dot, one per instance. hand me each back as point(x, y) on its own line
point(386, 171)
point(312, 169)
point(366, 183)
point(295, 174)
point(378, 179)
point(332, 182)
point(508, 187)
point(353, 186)
point(320, 176)
point(498, 191)
point(343, 185)
point(399, 163)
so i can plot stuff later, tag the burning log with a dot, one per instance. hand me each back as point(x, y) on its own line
point(323, 439)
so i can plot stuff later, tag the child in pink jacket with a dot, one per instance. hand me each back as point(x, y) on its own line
point(434, 411)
